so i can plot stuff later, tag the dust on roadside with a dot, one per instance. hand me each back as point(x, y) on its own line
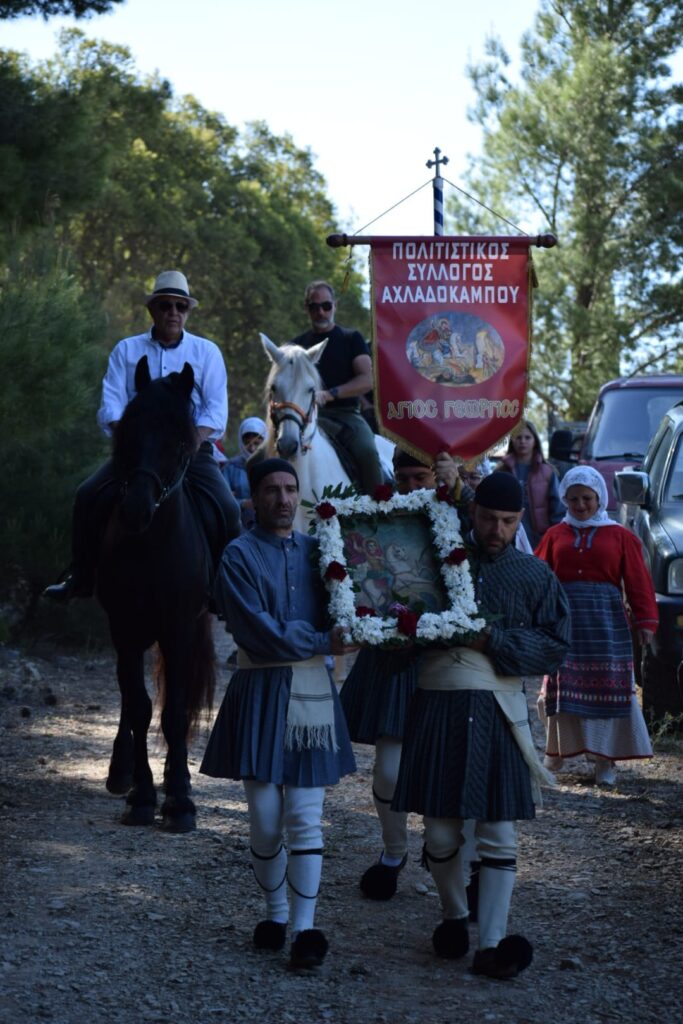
point(107, 923)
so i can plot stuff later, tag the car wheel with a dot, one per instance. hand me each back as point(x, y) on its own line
point(661, 687)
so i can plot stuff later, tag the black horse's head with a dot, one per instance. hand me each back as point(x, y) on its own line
point(153, 443)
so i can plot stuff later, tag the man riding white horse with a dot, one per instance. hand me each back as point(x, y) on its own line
point(346, 370)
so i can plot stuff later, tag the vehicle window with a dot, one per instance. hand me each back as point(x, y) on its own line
point(674, 484)
point(626, 420)
point(658, 452)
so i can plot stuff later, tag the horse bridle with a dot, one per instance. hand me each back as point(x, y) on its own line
point(302, 419)
point(165, 490)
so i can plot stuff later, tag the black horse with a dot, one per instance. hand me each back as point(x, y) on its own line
point(154, 577)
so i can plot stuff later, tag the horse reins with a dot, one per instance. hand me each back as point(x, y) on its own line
point(302, 419)
point(165, 490)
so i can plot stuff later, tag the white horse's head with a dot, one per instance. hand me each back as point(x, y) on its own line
point(290, 395)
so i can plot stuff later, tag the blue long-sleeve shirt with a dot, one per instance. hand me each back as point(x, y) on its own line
point(272, 598)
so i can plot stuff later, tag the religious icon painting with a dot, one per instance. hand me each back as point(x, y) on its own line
point(395, 567)
point(455, 349)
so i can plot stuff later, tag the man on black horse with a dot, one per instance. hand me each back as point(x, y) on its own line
point(346, 370)
point(168, 346)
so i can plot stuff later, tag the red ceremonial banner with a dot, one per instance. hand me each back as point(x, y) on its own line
point(451, 327)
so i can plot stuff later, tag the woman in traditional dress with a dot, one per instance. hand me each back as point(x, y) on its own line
point(589, 706)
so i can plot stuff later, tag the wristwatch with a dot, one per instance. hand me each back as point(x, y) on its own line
point(334, 392)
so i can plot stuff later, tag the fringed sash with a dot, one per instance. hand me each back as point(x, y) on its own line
point(310, 711)
point(461, 668)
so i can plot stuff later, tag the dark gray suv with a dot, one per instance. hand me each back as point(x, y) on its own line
point(651, 503)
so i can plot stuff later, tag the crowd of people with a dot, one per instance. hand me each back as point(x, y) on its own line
point(449, 724)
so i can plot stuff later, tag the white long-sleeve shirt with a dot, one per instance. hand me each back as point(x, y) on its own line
point(210, 394)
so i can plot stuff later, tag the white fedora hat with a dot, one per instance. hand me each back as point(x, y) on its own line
point(171, 282)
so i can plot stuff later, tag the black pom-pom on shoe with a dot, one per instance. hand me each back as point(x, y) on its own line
point(513, 954)
point(270, 935)
point(451, 938)
point(380, 881)
point(308, 949)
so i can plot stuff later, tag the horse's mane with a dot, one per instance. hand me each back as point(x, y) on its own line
point(161, 405)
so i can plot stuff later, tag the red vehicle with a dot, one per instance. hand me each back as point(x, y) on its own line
point(624, 419)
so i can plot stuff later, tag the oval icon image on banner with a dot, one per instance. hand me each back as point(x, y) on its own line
point(455, 349)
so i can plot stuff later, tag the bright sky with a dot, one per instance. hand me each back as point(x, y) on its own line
point(370, 86)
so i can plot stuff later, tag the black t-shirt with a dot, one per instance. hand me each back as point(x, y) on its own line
point(336, 363)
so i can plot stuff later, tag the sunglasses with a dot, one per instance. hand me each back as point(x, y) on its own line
point(165, 306)
point(325, 306)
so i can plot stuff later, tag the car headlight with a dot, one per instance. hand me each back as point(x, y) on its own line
point(675, 576)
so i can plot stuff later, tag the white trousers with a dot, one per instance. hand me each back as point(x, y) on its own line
point(291, 815)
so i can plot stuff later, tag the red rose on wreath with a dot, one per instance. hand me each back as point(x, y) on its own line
point(326, 510)
point(362, 610)
point(407, 622)
point(383, 492)
point(443, 493)
point(456, 557)
point(335, 571)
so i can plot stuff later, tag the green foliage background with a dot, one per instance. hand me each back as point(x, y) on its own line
point(107, 178)
point(587, 144)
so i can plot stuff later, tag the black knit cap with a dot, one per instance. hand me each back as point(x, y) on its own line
point(500, 491)
point(402, 458)
point(258, 470)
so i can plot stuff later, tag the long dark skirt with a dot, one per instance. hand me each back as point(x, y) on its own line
point(377, 694)
point(460, 760)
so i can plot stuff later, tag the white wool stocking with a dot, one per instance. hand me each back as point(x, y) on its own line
point(268, 855)
point(303, 813)
point(443, 838)
point(384, 776)
point(294, 811)
point(497, 848)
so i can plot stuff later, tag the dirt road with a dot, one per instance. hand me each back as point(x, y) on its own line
point(106, 923)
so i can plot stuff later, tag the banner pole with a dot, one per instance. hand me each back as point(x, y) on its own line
point(336, 241)
point(437, 185)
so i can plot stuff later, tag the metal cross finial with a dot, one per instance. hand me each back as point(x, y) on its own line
point(438, 159)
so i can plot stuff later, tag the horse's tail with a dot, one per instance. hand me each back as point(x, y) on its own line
point(202, 682)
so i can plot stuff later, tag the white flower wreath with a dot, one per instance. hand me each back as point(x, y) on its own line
point(401, 626)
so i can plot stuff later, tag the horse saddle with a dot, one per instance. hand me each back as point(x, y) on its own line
point(339, 435)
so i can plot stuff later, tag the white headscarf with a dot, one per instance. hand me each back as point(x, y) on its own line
point(585, 476)
point(252, 425)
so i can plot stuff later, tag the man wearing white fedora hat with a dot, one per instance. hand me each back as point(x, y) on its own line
point(167, 346)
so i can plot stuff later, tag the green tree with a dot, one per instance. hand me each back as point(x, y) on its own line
point(48, 399)
point(51, 8)
point(244, 215)
point(106, 179)
point(587, 144)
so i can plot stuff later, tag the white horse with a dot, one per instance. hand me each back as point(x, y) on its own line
point(292, 417)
